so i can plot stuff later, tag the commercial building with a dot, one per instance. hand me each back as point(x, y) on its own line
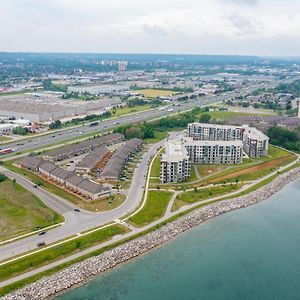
point(114, 167)
point(175, 163)
point(214, 152)
point(6, 129)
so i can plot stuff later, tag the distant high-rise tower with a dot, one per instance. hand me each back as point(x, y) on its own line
point(122, 66)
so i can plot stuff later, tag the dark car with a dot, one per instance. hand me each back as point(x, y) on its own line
point(40, 244)
point(77, 209)
point(35, 186)
point(42, 233)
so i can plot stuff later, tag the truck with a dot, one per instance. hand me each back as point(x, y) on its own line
point(6, 151)
point(94, 124)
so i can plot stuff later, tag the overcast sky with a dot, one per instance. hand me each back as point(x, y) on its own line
point(255, 27)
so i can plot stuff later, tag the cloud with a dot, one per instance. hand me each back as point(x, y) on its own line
point(242, 2)
point(243, 24)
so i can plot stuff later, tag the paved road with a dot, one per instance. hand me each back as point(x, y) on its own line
point(77, 222)
point(105, 125)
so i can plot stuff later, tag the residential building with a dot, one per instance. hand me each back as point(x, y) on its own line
point(175, 164)
point(214, 152)
point(256, 143)
point(214, 132)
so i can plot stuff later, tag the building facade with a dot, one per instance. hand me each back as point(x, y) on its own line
point(175, 163)
point(214, 152)
point(255, 143)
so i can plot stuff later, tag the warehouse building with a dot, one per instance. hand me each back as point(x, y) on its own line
point(115, 165)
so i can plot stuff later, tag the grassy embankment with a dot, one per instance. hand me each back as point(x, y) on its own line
point(21, 212)
point(154, 93)
point(99, 205)
point(249, 170)
point(22, 283)
point(55, 253)
point(154, 209)
point(202, 194)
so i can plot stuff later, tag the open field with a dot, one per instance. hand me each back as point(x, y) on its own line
point(155, 170)
point(128, 110)
point(158, 136)
point(154, 93)
point(226, 115)
point(21, 211)
point(4, 139)
point(207, 170)
point(65, 249)
point(203, 194)
point(98, 205)
point(155, 207)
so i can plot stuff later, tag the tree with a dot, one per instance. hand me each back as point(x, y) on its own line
point(205, 118)
point(20, 130)
point(55, 125)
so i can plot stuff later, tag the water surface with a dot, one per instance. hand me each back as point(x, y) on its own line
point(249, 254)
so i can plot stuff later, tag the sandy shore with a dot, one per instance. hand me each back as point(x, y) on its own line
point(80, 272)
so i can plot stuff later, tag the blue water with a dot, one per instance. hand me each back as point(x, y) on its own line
point(249, 254)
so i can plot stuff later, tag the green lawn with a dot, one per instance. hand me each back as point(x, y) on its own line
point(158, 136)
point(155, 170)
point(155, 207)
point(128, 110)
point(203, 194)
point(47, 256)
point(226, 115)
point(4, 139)
point(21, 211)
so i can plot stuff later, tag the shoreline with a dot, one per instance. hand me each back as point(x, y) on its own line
point(81, 272)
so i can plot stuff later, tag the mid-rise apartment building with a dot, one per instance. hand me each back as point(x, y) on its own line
point(214, 152)
point(255, 143)
point(214, 132)
point(175, 164)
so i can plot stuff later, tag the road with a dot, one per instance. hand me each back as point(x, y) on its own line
point(76, 222)
point(84, 220)
point(70, 133)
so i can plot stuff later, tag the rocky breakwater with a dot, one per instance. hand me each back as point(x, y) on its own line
point(82, 271)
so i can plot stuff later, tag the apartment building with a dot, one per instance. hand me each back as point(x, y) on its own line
point(255, 143)
point(214, 152)
point(175, 164)
point(214, 132)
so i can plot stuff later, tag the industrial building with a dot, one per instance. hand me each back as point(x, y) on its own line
point(40, 108)
point(175, 163)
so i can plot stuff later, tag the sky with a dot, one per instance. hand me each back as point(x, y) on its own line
point(244, 27)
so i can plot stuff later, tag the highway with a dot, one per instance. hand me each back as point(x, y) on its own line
point(105, 125)
point(76, 222)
